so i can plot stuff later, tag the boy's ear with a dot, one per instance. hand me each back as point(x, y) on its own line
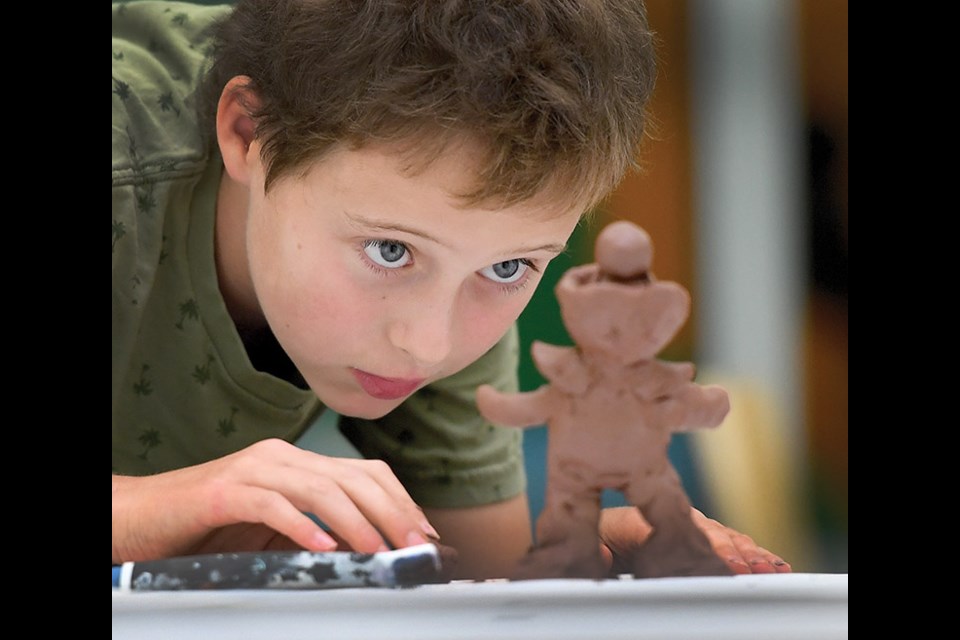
point(236, 128)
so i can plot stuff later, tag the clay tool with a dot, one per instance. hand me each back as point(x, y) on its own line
point(408, 567)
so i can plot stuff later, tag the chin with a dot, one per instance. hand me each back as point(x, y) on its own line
point(366, 408)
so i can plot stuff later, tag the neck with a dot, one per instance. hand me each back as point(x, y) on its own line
point(230, 250)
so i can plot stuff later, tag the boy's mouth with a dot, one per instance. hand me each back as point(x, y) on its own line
point(386, 388)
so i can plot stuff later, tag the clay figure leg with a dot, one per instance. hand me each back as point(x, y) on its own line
point(675, 547)
point(567, 532)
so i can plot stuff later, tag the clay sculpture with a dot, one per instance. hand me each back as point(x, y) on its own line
point(610, 407)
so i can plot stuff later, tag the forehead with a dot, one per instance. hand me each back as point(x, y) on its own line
point(451, 169)
point(370, 191)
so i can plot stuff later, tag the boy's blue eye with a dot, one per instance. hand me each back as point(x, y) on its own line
point(388, 254)
point(505, 272)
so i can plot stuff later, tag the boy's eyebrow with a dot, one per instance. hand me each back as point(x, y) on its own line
point(552, 248)
point(379, 225)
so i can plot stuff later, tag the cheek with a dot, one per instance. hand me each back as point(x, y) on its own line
point(308, 298)
point(329, 308)
point(269, 251)
point(487, 323)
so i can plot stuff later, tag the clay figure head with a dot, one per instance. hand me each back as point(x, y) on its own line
point(615, 306)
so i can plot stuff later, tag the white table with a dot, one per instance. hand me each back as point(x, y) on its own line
point(765, 607)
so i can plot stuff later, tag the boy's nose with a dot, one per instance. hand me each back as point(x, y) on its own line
point(424, 332)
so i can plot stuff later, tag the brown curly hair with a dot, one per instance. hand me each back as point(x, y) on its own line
point(553, 93)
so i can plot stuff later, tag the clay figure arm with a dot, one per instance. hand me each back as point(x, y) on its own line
point(561, 366)
point(257, 499)
point(696, 407)
point(657, 379)
point(623, 529)
point(525, 409)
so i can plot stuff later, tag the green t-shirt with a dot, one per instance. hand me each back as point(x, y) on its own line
point(184, 389)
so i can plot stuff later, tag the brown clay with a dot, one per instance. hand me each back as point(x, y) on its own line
point(449, 559)
point(610, 408)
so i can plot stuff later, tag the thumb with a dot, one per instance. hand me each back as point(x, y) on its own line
point(622, 531)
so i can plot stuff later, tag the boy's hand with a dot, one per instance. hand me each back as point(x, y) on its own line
point(623, 527)
point(257, 499)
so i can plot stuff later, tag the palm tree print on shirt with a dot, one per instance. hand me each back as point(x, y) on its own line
point(166, 103)
point(149, 438)
point(118, 232)
point(201, 372)
point(143, 387)
point(226, 426)
point(188, 310)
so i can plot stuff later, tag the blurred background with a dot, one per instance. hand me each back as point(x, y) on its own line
point(743, 190)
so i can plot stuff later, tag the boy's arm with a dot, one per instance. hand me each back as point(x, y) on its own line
point(258, 498)
point(489, 539)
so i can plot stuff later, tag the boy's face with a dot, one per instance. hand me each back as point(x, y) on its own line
point(377, 283)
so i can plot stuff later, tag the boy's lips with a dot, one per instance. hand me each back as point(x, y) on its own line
point(386, 388)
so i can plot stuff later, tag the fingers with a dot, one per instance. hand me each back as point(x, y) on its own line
point(758, 559)
point(361, 501)
point(738, 550)
point(622, 531)
point(729, 550)
point(356, 506)
point(623, 526)
point(231, 503)
point(606, 555)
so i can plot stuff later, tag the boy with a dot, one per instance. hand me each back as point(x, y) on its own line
point(354, 221)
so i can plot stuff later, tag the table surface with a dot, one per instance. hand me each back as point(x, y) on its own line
point(782, 606)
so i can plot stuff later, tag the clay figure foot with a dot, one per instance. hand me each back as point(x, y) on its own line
point(560, 561)
point(661, 557)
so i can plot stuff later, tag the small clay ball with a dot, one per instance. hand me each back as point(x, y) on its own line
point(623, 250)
point(449, 557)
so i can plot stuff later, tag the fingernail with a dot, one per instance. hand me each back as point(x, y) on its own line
point(383, 547)
point(324, 542)
point(779, 563)
point(414, 538)
point(430, 531)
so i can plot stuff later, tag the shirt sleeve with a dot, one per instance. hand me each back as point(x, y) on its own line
point(440, 447)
